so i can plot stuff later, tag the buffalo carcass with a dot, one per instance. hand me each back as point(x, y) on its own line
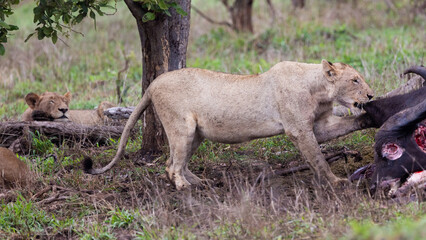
point(400, 147)
point(382, 109)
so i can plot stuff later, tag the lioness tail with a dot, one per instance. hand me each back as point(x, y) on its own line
point(134, 117)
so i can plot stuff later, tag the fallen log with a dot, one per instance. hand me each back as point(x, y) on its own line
point(57, 132)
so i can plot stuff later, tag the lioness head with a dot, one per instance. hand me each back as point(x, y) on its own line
point(49, 106)
point(351, 88)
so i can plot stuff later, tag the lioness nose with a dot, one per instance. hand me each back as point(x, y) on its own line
point(370, 96)
point(63, 110)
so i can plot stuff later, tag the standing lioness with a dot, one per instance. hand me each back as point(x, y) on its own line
point(291, 98)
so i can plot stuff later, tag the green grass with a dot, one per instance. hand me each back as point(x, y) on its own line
point(401, 227)
point(135, 198)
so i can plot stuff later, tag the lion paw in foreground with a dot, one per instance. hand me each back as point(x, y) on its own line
point(292, 98)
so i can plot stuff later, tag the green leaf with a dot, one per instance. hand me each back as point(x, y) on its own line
point(98, 10)
point(179, 10)
point(92, 15)
point(79, 18)
point(167, 12)
point(47, 31)
point(2, 50)
point(149, 16)
point(4, 25)
point(54, 37)
point(29, 36)
point(13, 27)
point(40, 34)
point(162, 5)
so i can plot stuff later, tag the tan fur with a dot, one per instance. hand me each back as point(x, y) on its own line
point(56, 106)
point(291, 98)
point(12, 170)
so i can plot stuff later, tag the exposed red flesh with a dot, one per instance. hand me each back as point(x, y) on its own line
point(392, 151)
point(420, 137)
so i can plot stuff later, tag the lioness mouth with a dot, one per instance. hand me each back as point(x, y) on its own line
point(358, 105)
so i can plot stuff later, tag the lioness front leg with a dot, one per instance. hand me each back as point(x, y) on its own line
point(309, 148)
point(333, 127)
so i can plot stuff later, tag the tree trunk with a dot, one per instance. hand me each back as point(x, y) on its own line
point(241, 12)
point(164, 42)
point(298, 3)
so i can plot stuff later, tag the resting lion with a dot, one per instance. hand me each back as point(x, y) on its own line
point(292, 98)
point(12, 170)
point(51, 106)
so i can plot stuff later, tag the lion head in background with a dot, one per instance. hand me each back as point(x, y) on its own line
point(48, 106)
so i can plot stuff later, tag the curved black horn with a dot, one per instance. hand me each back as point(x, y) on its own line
point(419, 70)
point(407, 119)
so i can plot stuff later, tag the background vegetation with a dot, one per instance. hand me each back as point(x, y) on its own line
point(135, 199)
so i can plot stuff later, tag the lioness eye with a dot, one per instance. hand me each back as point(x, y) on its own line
point(52, 102)
point(355, 80)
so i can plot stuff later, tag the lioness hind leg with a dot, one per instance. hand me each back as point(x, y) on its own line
point(181, 141)
point(192, 178)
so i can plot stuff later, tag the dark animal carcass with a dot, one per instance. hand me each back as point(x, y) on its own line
point(382, 109)
point(400, 147)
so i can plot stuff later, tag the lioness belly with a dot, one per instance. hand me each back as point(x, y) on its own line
point(237, 132)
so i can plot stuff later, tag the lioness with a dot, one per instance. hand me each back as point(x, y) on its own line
point(292, 98)
point(51, 106)
point(13, 171)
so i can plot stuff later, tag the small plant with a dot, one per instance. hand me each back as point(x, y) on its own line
point(120, 219)
point(23, 218)
point(41, 144)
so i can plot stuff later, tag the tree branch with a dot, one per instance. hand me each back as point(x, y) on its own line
point(136, 9)
point(272, 10)
point(211, 20)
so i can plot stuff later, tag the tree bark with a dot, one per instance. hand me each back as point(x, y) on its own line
point(241, 15)
point(164, 42)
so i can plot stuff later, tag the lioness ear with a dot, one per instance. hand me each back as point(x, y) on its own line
point(328, 69)
point(32, 99)
point(67, 96)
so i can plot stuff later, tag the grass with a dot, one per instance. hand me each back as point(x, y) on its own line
point(136, 200)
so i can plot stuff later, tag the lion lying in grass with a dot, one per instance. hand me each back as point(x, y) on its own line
point(292, 98)
point(51, 106)
point(13, 171)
